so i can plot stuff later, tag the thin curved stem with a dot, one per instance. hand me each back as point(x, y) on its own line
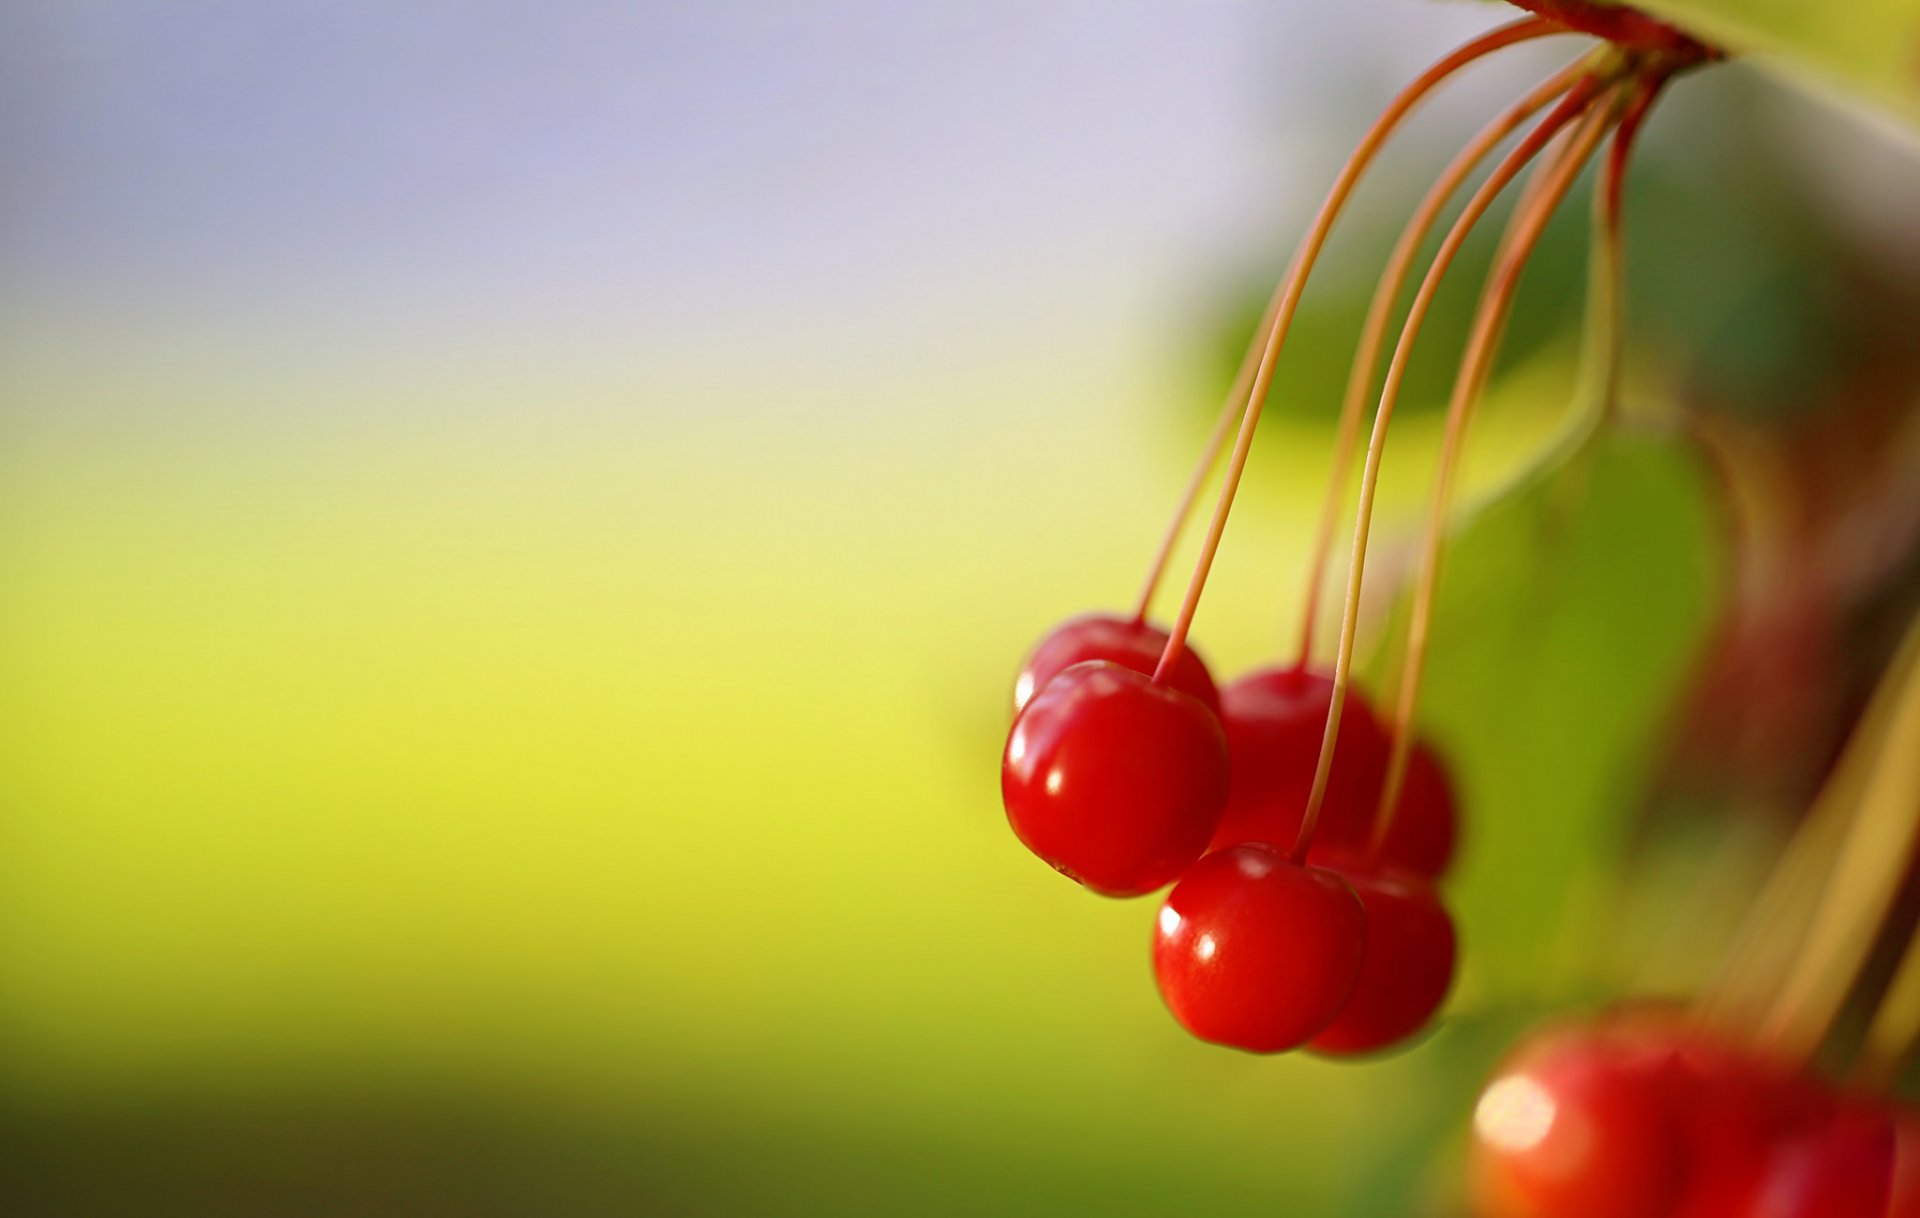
point(1542, 176)
point(1373, 332)
point(1287, 300)
point(1776, 923)
point(1607, 305)
point(1572, 105)
point(1230, 411)
point(1896, 1025)
point(1866, 874)
point(1476, 367)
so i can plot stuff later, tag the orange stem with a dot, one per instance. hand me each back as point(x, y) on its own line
point(1571, 106)
point(1609, 208)
point(1287, 299)
point(1496, 305)
point(1373, 332)
point(1230, 411)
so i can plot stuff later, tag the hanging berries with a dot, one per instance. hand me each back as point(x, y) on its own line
point(1315, 920)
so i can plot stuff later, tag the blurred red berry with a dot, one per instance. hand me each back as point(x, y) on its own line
point(1905, 1202)
point(1577, 1124)
point(1405, 969)
point(1840, 1166)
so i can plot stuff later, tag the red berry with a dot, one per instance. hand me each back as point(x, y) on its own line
point(1407, 966)
point(1757, 1139)
point(1426, 824)
point(1906, 1165)
point(1113, 779)
point(1731, 1109)
point(1275, 720)
point(1257, 952)
point(1840, 1167)
point(1579, 1124)
point(1125, 641)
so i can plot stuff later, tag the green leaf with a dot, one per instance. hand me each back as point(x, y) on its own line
point(1569, 614)
point(1869, 49)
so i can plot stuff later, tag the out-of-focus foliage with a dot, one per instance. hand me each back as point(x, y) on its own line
point(1568, 617)
point(1869, 48)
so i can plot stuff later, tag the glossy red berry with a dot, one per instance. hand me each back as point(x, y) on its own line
point(1256, 952)
point(1275, 720)
point(1406, 968)
point(1426, 825)
point(1578, 1124)
point(1114, 780)
point(1124, 641)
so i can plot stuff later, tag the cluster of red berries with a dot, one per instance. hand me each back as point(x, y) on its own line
point(1644, 1115)
point(1305, 838)
point(1273, 937)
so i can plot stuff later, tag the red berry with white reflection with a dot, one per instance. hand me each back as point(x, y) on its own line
point(1128, 642)
point(1276, 719)
point(1113, 779)
point(1257, 952)
point(1578, 1124)
point(1405, 969)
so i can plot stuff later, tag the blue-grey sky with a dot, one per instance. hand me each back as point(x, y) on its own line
point(667, 169)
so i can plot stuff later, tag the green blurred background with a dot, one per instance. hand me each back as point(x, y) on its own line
point(517, 524)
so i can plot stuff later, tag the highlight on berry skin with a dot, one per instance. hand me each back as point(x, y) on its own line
point(1372, 749)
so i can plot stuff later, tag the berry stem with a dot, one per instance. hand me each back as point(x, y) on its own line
point(1606, 306)
point(1624, 27)
point(1496, 306)
point(1576, 102)
point(1373, 332)
point(1287, 299)
point(1864, 881)
point(1775, 926)
point(1895, 1028)
point(1776, 923)
point(1230, 411)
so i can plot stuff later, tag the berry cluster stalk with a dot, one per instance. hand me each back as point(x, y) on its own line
point(1373, 332)
point(1286, 301)
point(1577, 101)
point(1476, 366)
